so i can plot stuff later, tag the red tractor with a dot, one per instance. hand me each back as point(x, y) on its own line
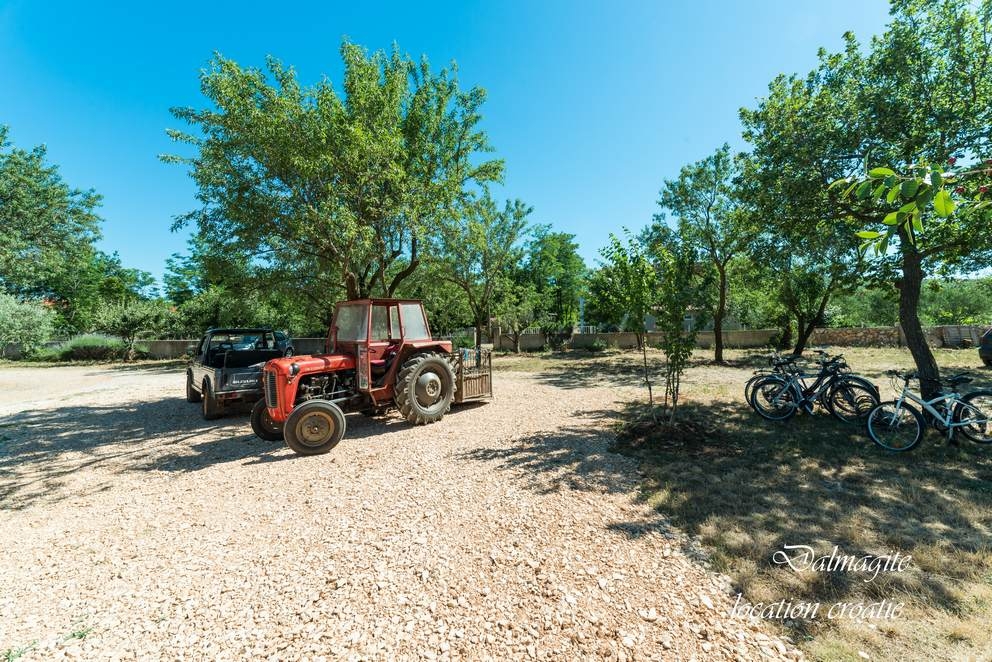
point(379, 354)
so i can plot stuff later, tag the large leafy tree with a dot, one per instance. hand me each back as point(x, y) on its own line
point(920, 96)
point(313, 184)
point(706, 202)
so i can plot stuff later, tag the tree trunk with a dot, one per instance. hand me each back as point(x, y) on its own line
point(516, 342)
point(478, 334)
point(909, 318)
point(806, 331)
point(721, 311)
point(786, 338)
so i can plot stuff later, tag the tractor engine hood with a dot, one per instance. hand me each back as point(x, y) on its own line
point(293, 366)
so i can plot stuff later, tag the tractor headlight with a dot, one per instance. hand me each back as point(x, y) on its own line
point(294, 369)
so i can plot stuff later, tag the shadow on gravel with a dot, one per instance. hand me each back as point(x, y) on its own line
point(570, 457)
point(40, 449)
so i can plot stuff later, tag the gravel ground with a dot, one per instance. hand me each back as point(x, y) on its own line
point(132, 529)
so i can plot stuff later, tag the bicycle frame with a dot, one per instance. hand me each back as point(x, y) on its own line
point(807, 394)
point(945, 418)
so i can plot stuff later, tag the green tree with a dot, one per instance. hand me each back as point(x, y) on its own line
point(705, 201)
point(310, 182)
point(25, 323)
point(49, 231)
point(477, 248)
point(679, 290)
point(919, 96)
point(518, 306)
point(131, 319)
point(557, 272)
point(622, 290)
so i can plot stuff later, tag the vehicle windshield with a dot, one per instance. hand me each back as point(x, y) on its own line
point(240, 341)
point(352, 322)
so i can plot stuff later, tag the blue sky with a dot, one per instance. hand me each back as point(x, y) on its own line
point(591, 104)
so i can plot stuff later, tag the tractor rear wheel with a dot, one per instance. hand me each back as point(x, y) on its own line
point(262, 424)
point(314, 427)
point(425, 387)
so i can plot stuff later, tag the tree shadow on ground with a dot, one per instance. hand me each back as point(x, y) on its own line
point(748, 487)
point(41, 450)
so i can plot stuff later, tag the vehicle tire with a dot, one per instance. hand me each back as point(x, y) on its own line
point(774, 398)
point(851, 401)
point(262, 424)
point(314, 427)
point(211, 408)
point(897, 431)
point(976, 407)
point(425, 387)
point(192, 395)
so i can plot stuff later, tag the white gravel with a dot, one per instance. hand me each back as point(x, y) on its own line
point(506, 531)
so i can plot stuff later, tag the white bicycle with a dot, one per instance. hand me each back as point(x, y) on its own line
point(898, 426)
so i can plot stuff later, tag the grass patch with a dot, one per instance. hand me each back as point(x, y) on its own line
point(747, 487)
point(12, 654)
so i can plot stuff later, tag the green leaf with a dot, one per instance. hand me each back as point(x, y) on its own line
point(908, 208)
point(935, 179)
point(840, 181)
point(879, 190)
point(863, 190)
point(880, 172)
point(909, 188)
point(891, 218)
point(893, 194)
point(868, 234)
point(918, 221)
point(847, 193)
point(943, 204)
point(883, 245)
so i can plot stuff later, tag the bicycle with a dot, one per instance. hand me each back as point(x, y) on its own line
point(779, 365)
point(897, 425)
point(779, 396)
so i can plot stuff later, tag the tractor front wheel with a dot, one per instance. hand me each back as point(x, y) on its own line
point(262, 424)
point(314, 427)
point(425, 387)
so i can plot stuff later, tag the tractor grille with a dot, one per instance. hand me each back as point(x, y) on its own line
point(271, 401)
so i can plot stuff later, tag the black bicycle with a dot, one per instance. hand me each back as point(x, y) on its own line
point(780, 395)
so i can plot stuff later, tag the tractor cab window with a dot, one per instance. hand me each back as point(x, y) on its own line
point(385, 322)
point(352, 323)
point(414, 324)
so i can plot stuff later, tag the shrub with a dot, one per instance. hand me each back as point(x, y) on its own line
point(28, 324)
point(92, 348)
point(599, 345)
point(463, 341)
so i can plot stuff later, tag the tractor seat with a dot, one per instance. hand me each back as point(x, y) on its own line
point(379, 366)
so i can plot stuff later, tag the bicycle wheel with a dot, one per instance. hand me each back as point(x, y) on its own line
point(749, 384)
point(975, 409)
point(774, 398)
point(894, 428)
point(850, 401)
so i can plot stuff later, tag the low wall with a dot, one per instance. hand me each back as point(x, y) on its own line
point(628, 340)
point(876, 336)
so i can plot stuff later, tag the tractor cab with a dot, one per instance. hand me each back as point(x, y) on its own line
point(376, 332)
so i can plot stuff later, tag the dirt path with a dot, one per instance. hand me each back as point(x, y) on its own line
point(133, 529)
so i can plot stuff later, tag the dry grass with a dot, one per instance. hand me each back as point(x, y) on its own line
point(754, 486)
